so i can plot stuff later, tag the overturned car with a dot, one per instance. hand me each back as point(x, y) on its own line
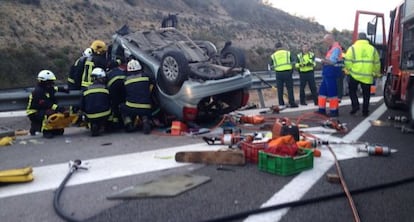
point(194, 82)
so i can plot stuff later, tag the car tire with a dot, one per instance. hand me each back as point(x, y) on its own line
point(173, 71)
point(232, 57)
point(389, 99)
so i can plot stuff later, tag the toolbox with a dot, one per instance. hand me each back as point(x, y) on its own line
point(251, 150)
point(285, 166)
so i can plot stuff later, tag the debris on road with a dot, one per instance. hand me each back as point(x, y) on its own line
point(333, 178)
point(168, 186)
point(224, 157)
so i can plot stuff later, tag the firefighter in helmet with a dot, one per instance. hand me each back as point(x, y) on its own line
point(138, 100)
point(42, 103)
point(95, 102)
point(97, 60)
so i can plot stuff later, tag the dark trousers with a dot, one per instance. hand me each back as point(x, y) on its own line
point(340, 85)
point(308, 78)
point(282, 79)
point(353, 88)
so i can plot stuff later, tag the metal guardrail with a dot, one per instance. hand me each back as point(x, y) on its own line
point(16, 99)
point(270, 77)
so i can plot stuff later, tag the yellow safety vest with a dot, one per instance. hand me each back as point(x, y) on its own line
point(86, 76)
point(306, 62)
point(281, 60)
point(362, 62)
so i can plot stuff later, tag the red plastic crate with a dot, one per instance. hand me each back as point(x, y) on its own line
point(251, 150)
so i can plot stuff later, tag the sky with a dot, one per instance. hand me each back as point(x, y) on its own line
point(341, 16)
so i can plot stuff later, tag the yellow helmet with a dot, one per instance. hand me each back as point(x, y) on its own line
point(99, 47)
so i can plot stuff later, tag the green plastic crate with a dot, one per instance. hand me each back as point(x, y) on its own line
point(285, 166)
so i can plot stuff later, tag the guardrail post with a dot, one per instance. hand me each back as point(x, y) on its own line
point(261, 98)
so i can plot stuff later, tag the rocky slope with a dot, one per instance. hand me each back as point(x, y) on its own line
point(38, 34)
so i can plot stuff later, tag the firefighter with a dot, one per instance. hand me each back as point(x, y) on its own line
point(138, 87)
point(42, 103)
point(97, 60)
point(306, 65)
point(76, 70)
point(282, 61)
point(95, 102)
point(116, 78)
point(332, 68)
point(362, 63)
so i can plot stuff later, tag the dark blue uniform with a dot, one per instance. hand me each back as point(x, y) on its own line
point(116, 78)
point(95, 104)
point(138, 97)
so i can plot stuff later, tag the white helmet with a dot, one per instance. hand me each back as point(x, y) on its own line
point(133, 65)
point(46, 75)
point(88, 52)
point(98, 73)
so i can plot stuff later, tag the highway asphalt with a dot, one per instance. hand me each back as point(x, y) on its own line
point(229, 192)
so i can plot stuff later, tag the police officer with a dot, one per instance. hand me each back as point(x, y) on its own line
point(97, 60)
point(306, 65)
point(362, 63)
point(138, 87)
point(95, 102)
point(116, 78)
point(42, 103)
point(282, 61)
point(332, 68)
point(76, 70)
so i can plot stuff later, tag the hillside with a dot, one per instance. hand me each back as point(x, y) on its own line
point(38, 34)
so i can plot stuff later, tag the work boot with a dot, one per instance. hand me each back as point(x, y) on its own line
point(48, 134)
point(146, 125)
point(35, 127)
point(354, 110)
point(95, 129)
point(293, 105)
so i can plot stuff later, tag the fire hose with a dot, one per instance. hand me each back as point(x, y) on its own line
point(73, 167)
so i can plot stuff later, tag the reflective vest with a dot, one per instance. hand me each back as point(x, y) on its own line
point(86, 75)
point(306, 62)
point(41, 99)
point(281, 61)
point(362, 62)
point(95, 101)
point(138, 92)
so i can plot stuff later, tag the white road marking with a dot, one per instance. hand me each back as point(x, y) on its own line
point(344, 102)
point(49, 177)
point(298, 187)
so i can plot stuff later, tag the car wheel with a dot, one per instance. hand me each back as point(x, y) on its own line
point(389, 98)
point(232, 57)
point(173, 72)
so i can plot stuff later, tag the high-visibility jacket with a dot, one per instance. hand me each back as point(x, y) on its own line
point(43, 99)
point(306, 62)
point(95, 101)
point(95, 61)
point(362, 62)
point(281, 60)
point(75, 73)
point(138, 91)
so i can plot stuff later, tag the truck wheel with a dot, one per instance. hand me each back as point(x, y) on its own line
point(389, 99)
point(173, 72)
point(232, 57)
